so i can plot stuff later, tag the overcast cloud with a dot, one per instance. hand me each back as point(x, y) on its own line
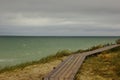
point(60, 17)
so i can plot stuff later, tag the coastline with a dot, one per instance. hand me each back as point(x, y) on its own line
point(50, 58)
point(38, 68)
point(26, 49)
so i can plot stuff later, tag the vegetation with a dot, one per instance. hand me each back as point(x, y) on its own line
point(118, 41)
point(92, 48)
point(47, 59)
point(104, 66)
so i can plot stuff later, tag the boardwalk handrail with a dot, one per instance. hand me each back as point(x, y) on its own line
point(69, 67)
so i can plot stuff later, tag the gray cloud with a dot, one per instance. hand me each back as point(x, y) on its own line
point(60, 17)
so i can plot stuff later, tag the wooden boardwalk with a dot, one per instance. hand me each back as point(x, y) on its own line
point(69, 67)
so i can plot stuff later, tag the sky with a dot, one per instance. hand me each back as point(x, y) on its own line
point(60, 17)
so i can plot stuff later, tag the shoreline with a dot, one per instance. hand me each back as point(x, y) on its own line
point(41, 67)
point(50, 58)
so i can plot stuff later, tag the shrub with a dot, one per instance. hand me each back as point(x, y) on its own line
point(63, 53)
point(80, 51)
point(118, 41)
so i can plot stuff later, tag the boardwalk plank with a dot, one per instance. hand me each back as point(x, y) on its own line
point(70, 67)
point(65, 70)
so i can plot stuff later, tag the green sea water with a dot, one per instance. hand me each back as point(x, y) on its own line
point(16, 50)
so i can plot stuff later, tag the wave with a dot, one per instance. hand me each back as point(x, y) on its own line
point(7, 60)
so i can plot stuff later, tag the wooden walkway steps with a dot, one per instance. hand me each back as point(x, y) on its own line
point(69, 67)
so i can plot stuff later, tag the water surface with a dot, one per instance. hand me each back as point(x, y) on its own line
point(15, 50)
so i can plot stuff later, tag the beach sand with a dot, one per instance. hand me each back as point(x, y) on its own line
point(32, 72)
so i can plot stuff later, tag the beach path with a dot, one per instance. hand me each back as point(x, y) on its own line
point(67, 69)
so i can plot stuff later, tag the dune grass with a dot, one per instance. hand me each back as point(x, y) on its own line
point(47, 59)
point(104, 66)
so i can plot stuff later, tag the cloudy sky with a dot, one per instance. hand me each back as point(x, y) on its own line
point(60, 17)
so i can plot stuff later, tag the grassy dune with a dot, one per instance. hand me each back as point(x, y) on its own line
point(104, 66)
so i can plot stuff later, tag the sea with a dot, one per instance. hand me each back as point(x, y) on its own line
point(20, 49)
